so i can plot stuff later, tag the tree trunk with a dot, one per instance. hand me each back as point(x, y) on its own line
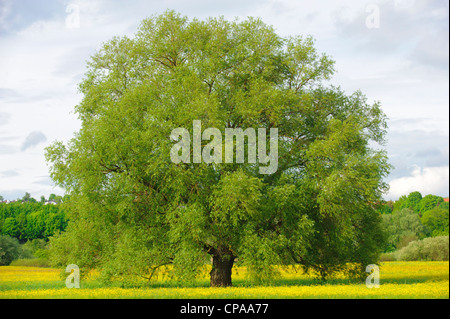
point(222, 263)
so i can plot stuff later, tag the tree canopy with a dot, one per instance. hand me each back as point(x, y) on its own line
point(27, 220)
point(132, 209)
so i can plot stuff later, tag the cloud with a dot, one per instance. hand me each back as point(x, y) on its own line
point(44, 180)
point(7, 149)
point(429, 180)
point(33, 139)
point(433, 156)
point(9, 173)
point(4, 118)
point(6, 93)
point(421, 142)
point(5, 10)
point(416, 29)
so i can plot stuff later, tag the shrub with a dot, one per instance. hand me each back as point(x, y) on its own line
point(388, 257)
point(432, 248)
point(33, 262)
point(402, 227)
point(9, 249)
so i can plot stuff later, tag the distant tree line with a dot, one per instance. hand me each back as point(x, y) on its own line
point(55, 199)
point(27, 219)
point(410, 219)
point(413, 217)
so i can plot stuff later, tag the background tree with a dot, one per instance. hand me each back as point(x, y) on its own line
point(402, 227)
point(414, 200)
point(411, 201)
point(31, 220)
point(133, 210)
point(10, 227)
point(27, 198)
point(436, 221)
point(9, 249)
point(429, 202)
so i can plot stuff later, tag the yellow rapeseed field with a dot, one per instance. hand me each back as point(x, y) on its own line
point(404, 280)
point(27, 274)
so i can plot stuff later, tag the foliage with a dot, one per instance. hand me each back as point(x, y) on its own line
point(436, 221)
point(131, 208)
point(384, 207)
point(31, 262)
point(432, 248)
point(31, 220)
point(429, 202)
point(402, 227)
point(9, 249)
point(35, 248)
point(414, 200)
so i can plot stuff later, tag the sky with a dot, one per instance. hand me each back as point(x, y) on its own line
point(394, 51)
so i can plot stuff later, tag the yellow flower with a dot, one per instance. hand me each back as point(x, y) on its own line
point(404, 280)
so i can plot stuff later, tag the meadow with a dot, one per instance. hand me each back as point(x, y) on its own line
point(398, 280)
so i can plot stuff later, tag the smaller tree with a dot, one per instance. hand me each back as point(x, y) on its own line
point(402, 227)
point(414, 200)
point(429, 202)
point(10, 227)
point(401, 203)
point(27, 197)
point(436, 222)
point(9, 250)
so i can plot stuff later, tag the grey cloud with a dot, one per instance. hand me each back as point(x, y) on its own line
point(7, 138)
point(4, 118)
point(440, 159)
point(17, 15)
point(5, 9)
point(7, 149)
point(33, 139)
point(431, 151)
point(73, 62)
point(416, 147)
point(416, 28)
point(6, 93)
point(9, 173)
point(46, 181)
point(434, 157)
point(13, 96)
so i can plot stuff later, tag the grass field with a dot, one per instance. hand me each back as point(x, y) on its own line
point(404, 280)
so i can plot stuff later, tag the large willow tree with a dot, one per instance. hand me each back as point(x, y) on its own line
point(133, 210)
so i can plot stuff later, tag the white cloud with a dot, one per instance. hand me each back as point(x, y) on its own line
point(429, 180)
